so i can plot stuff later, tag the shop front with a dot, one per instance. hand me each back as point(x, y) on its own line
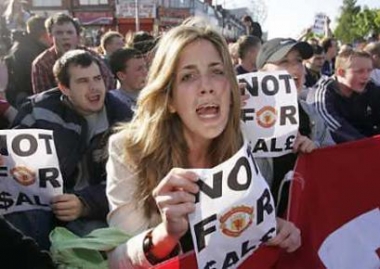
point(171, 17)
point(94, 24)
point(127, 11)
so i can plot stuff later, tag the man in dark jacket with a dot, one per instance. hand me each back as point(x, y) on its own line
point(20, 57)
point(313, 66)
point(80, 112)
point(252, 27)
point(349, 102)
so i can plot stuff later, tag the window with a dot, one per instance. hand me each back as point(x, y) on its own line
point(47, 3)
point(93, 2)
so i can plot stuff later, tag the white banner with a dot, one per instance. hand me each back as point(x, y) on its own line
point(234, 213)
point(29, 170)
point(271, 114)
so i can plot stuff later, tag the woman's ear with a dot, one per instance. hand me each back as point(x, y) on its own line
point(171, 109)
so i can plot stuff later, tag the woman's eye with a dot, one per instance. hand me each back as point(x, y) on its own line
point(187, 77)
point(218, 72)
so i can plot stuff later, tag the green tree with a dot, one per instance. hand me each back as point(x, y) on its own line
point(367, 22)
point(346, 30)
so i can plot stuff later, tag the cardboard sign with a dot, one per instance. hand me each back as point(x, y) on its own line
point(271, 114)
point(29, 170)
point(319, 24)
point(234, 213)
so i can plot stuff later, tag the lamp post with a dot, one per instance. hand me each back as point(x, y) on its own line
point(137, 20)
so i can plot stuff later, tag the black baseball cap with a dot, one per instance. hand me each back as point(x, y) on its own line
point(276, 49)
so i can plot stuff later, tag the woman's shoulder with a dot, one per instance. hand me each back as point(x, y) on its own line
point(117, 139)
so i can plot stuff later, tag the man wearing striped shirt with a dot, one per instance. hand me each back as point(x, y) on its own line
point(348, 101)
point(64, 32)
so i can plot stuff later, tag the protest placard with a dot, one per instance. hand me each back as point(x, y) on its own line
point(319, 24)
point(234, 213)
point(271, 114)
point(29, 170)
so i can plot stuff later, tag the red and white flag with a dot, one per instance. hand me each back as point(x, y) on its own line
point(335, 201)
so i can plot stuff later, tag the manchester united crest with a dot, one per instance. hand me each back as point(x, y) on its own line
point(236, 220)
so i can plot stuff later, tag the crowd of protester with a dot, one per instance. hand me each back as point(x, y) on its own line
point(133, 99)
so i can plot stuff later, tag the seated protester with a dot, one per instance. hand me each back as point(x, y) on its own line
point(233, 49)
point(248, 47)
point(80, 112)
point(373, 49)
point(110, 42)
point(349, 102)
point(313, 66)
point(143, 42)
point(330, 47)
point(7, 112)
point(188, 116)
point(65, 33)
point(344, 47)
point(313, 41)
point(20, 57)
point(129, 67)
point(287, 54)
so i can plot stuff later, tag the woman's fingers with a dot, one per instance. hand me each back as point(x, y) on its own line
point(177, 179)
point(288, 236)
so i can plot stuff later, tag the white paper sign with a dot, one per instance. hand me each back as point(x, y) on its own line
point(271, 114)
point(319, 24)
point(234, 213)
point(29, 170)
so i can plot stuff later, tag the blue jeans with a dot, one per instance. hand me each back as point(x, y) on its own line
point(39, 223)
point(82, 227)
point(34, 223)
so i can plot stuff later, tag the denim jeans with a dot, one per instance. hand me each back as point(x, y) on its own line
point(82, 227)
point(34, 223)
point(39, 223)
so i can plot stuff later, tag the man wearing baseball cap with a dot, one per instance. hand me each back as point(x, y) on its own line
point(278, 52)
point(287, 54)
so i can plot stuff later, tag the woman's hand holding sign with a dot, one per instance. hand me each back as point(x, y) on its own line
point(175, 200)
point(288, 236)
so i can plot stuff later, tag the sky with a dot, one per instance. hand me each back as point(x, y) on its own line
point(287, 18)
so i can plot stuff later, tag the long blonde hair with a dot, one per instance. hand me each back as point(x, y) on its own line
point(154, 141)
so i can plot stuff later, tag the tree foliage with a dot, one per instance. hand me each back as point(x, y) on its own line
point(345, 30)
point(356, 23)
point(367, 22)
